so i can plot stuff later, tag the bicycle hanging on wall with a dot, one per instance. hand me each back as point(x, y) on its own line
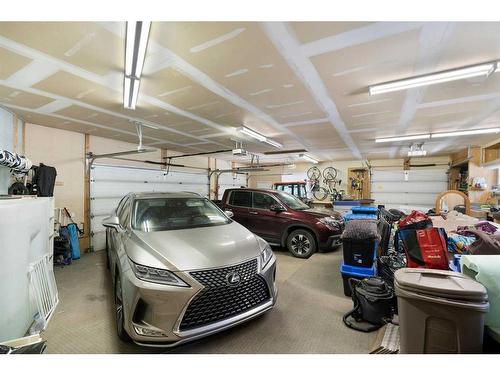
point(330, 181)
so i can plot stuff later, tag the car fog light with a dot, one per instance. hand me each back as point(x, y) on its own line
point(148, 331)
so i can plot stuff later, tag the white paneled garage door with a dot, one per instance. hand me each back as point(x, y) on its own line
point(108, 184)
point(229, 180)
point(388, 187)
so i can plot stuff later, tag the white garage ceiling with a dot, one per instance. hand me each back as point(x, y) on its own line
point(304, 84)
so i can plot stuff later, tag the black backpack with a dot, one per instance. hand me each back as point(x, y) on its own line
point(374, 304)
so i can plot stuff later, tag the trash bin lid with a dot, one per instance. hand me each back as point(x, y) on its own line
point(439, 283)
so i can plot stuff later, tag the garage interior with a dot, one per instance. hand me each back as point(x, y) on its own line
point(404, 114)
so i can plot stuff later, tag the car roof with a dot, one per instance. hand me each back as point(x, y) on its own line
point(291, 183)
point(256, 189)
point(180, 194)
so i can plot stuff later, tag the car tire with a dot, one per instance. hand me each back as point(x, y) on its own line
point(301, 243)
point(119, 313)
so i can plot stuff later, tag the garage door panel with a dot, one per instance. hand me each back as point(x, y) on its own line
point(405, 199)
point(389, 187)
point(418, 175)
point(108, 184)
point(229, 180)
point(406, 187)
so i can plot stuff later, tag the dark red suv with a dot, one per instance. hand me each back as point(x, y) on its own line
point(284, 220)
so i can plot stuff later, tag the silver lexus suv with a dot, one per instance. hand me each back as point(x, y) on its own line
point(183, 269)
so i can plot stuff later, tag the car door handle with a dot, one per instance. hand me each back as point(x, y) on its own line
point(253, 212)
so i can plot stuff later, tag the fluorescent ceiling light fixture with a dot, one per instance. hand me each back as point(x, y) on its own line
point(273, 143)
point(465, 132)
point(136, 42)
point(259, 137)
point(308, 158)
point(434, 78)
point(403, 138)
point(135, 47)
point(252, 134)
point(130, 92)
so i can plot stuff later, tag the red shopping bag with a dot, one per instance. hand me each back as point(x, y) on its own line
point(425, 248)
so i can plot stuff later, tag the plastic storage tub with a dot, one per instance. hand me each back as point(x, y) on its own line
point(367, 210)
point(352, 216)
point(485, 269)
point(439, 311)
point(359, 273)
point(361, 253)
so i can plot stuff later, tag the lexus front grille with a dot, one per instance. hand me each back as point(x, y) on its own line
point(227, 292)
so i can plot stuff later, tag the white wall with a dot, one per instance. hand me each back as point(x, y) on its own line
point(64, 150)
point(11, 139)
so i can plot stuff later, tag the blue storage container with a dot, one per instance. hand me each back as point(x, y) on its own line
point(359, 253)
point(355, 272)
point(369, 210)
point(352, 216)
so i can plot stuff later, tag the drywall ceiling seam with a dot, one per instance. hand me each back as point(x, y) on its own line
point(99, 109)
point(369, 33)
point(32, 73)
point(465, 99)
point(215, 41)
point(90, 124)
point(306, 122)
point(434, 36)
point(491, 109)
point(204, 80)
point(286, 43)
point(54, 106)
point(82, 73)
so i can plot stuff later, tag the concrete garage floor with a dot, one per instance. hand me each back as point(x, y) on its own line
point(307, 318)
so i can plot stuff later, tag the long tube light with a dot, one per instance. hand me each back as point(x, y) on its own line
point(403, 138)
point(434, 78)
point(136, 45)
point(273, 143)
point(259, 137)
point(465, 132)
point(308, 158)
point(439, 135)
point(130, 92)
point(136, 42)
point(252, 134)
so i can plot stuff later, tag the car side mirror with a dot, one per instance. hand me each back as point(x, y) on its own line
point(229, 214)
point(277, 208)
point(111, 222)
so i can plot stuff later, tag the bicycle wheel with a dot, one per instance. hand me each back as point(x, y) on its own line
point(320, 194)
point(314, 173)
point(330, 173)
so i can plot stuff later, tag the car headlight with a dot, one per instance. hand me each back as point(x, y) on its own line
point(156, 275)
point(266, 255)
point(331, 222)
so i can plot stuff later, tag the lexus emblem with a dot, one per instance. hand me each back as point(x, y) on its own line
point(233, 279)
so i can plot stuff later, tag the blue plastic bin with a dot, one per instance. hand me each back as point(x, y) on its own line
point(368, 210)
point(355, 272)
point(352, 216)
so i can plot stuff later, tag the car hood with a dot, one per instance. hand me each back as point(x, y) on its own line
point(199, 248)
point(322, 213)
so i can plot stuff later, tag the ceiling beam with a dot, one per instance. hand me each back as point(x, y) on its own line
point(283, 38)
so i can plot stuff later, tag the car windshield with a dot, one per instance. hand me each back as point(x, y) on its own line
point(291, 201)
point(161, 214)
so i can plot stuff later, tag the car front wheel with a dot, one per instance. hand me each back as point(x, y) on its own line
point(119, 313)
point(301, 243)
